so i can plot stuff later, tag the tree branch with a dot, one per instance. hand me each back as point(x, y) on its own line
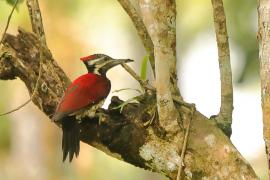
point(141, 29)
point(123, 135)
point(159, 19)
point(36, 20)
point(264, 57)
point(184, 146)
point(224, 118)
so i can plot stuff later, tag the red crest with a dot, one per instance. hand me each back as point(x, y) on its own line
point(88, 58)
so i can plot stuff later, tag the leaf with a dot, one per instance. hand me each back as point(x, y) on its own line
point(144, 67)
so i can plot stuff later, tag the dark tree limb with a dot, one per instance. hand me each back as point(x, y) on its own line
point(224, 117)
point(209, 152)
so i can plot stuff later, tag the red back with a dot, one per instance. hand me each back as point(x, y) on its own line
point(84, 91)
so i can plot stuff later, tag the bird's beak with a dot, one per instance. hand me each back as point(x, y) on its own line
point(115, 62)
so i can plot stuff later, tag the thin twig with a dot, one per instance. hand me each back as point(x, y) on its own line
point(17, 108)
point(141, 29)
point(143, 83)
point(8, 21)
point(224, 117)
point(184, 146)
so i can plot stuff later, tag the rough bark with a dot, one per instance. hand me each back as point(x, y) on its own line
point(36, 20)
point(209, 154)
point(224, 117)
point(264, 57)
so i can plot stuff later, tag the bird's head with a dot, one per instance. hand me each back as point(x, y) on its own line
point(101, 63)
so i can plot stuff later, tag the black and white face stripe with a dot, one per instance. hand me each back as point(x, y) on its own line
point(97, 65)
point(96, 61)
point(102, 63)
point(100, 66)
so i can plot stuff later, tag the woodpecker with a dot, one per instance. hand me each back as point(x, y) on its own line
point(87, 92)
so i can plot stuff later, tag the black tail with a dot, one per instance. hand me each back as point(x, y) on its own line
point(71, 139)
